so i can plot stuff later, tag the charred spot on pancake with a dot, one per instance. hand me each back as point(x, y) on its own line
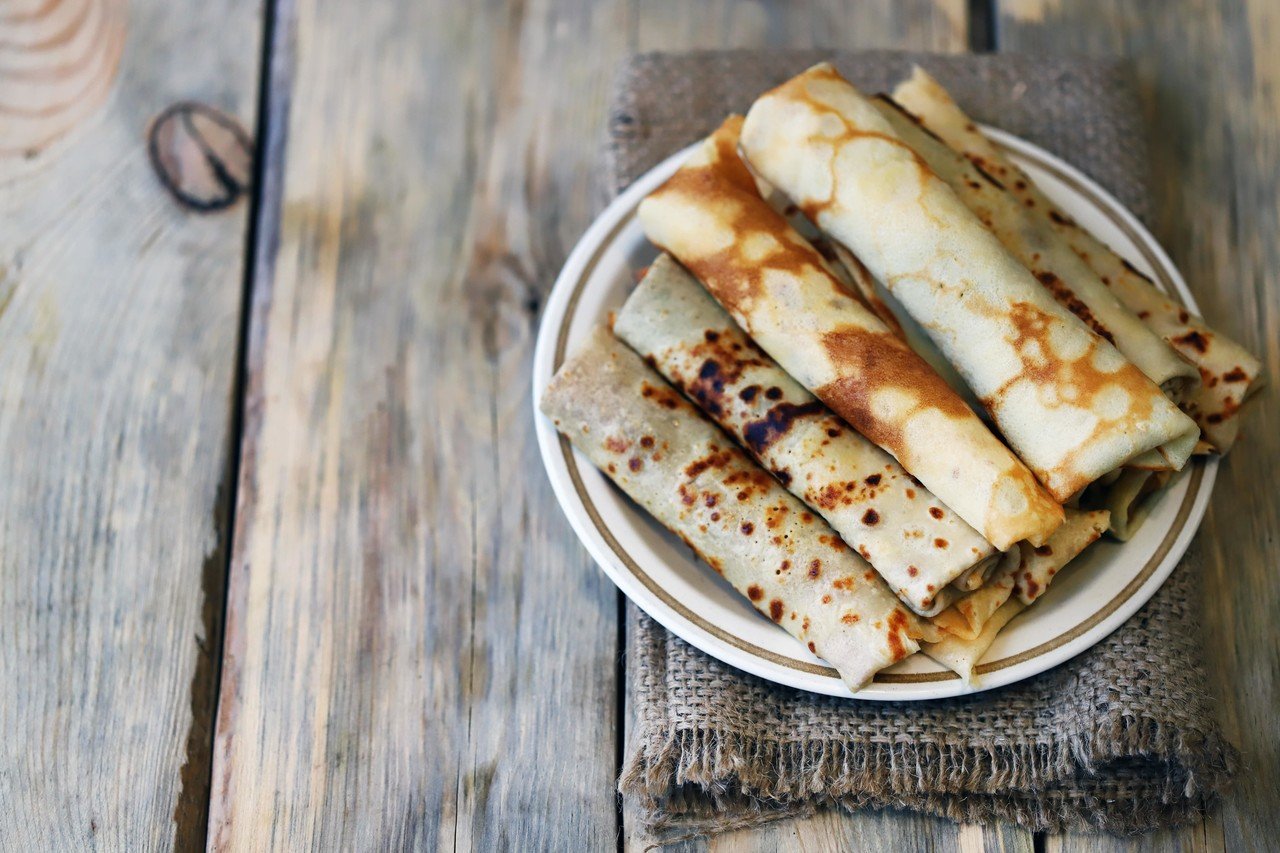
point(806, 517)
point(1045, 550)
point(711, 336)
point(785, 567)
point(715, 516)
point(615, 444)
point(777, 422)
point(755, 593)
point(911, 494)
point(829, 497)
point(1033, 588)
point(982, 171)
point(711, 500)
point(1184, 316)
point(870, 517)
point(912, 571)
point(812, 648)
point(715, 563)
point(1139, 273)
point(850, 618)
point(940, 543)
point(1056, 216)
point(635, 464)
point(747, 528)
point(873, 480)
point(716, 459)
point(833, 433)
point(687, 495)
point(749, 393)
point(664, 397)
point(646, 441)
point(783, 475)
point(1194, 340)
point(774, 393)
point(1235, 374)
point(936, 512)
point(611, 468)
point(815, 568)
point(843, 583)
point(775, 610)
point(1067, 298)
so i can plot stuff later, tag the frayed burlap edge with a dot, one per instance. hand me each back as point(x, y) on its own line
point(692, 781)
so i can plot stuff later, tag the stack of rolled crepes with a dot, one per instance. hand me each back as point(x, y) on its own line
point(778, 420)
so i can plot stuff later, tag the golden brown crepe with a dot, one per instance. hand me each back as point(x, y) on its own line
point(710, 216)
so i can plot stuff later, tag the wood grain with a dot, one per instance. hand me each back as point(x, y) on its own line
point(119, 317)
point(58, 62)
point(419, 653)
point(1211, 75)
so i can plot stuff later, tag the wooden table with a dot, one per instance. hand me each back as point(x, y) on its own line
point(278, 561)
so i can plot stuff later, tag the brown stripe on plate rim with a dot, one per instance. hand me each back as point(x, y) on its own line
point(885, 677)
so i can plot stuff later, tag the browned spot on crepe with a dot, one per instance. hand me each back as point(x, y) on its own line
point(1067, 298)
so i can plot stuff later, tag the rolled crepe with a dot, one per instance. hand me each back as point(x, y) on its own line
point(1128, 499)
point(974, 578)
point(916, 544)
point(681, 469)
point(1037, 567)
point(1229, 373)
point(710, 216)
point(961, 656)
point(967, 616)
point(1042, 249)
point(970, 630)
point(1066, 400)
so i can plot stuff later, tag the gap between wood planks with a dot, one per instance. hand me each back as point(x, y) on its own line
point(191, 815)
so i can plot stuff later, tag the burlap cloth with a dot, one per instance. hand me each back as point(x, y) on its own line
point(1123, 738)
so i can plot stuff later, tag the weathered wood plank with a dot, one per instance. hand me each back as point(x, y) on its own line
point(839, 25)
point(419, 652)
point(119, 317)
point(1212, 78)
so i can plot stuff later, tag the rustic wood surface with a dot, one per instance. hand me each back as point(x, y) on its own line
point(119, 318)
point(418, 653)
point(1211, 75)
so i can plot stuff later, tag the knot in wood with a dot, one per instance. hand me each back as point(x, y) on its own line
point(202, 156)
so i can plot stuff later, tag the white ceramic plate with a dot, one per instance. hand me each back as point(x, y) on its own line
point(1102, 588)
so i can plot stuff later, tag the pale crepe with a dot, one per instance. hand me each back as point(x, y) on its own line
point(1229, 373)
point(1047, 254)
point(1067, 402)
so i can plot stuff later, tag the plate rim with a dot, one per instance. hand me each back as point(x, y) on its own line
point(594, 534)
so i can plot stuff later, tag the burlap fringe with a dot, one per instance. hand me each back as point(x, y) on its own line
point(692, 783)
